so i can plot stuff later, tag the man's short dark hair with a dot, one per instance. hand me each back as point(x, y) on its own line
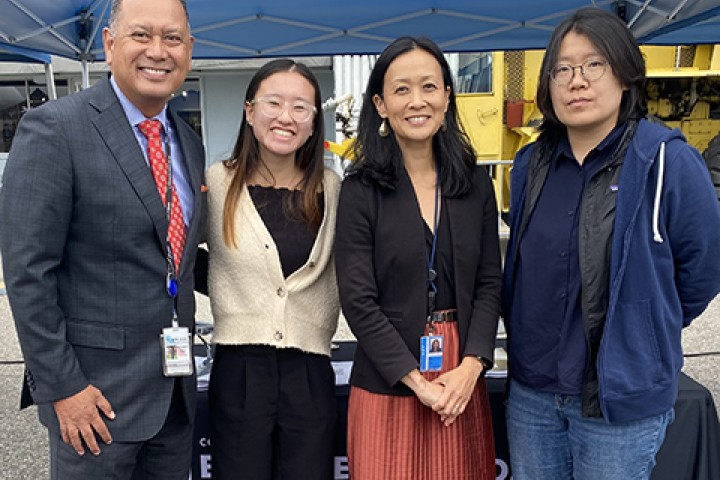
point(117, 4)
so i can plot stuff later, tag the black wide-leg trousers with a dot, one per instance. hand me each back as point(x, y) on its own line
point(272, 414)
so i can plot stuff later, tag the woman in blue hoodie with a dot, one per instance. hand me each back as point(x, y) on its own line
point(613, 222)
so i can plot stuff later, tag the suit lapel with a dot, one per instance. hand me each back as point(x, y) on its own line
point(194, 169)
point(114, 128)
point(187, 145)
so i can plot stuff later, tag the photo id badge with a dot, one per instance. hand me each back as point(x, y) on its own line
point(176, 351)
point(431, 353)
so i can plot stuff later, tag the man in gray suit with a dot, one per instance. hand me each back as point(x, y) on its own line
point(91, 275)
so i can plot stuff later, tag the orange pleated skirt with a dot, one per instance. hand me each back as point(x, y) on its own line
point(399, 438)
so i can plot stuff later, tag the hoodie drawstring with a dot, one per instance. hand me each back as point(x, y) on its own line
point(658, 192)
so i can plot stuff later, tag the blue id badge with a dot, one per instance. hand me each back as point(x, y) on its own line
point(431, 353)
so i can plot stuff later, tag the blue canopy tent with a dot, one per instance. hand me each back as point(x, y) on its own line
point(271, 28)
point(705, 31)
point(11, 53)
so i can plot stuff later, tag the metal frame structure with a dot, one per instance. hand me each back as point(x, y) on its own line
point(272, 28)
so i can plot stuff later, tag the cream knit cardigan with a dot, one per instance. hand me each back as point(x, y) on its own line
point(252, 302)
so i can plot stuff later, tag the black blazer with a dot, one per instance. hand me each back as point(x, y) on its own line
point(381, 261)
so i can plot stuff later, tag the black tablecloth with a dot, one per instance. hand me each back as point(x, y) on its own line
point(691, 450)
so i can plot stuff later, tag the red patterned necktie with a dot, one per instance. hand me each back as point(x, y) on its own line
point(159, 165)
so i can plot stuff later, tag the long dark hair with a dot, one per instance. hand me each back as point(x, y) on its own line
point(617, 44)
point(245, 158)
point(379, 159)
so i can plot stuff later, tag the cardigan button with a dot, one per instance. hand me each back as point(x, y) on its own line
point(280, 292)
point(278, 336)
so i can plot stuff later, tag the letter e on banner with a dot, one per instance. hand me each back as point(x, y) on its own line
point(205, 466)
point(341, 468)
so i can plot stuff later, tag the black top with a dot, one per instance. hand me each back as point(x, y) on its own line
point(443, 262)
point(293, 237)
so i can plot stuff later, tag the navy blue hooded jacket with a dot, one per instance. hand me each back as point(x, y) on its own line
point(664, 269)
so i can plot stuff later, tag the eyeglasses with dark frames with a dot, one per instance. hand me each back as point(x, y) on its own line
point(591, 70)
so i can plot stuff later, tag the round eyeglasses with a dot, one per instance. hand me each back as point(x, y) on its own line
point(590, 70)
point(272, 107)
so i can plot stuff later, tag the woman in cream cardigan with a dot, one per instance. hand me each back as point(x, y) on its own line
point(272, 285)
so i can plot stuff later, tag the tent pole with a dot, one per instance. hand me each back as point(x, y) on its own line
point(85, 74)
point(50, 81)
point(27, 94)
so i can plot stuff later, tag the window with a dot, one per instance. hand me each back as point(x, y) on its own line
point(16, 96)
point(186, 103)
point(475, 73)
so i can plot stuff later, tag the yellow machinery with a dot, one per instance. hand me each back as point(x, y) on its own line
point(684, 90)
point(502, 116)
point(342, 150)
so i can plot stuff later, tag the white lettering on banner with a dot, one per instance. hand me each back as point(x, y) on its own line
point(204, 442)
point(341, 468)
point(504, 470)
point(342, 372)
point(205, 466)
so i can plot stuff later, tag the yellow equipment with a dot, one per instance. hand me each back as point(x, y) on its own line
point(342, 150)
point(684, 90)
point(502, 117)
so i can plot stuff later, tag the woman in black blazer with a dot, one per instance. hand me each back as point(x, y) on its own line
point(417, 257)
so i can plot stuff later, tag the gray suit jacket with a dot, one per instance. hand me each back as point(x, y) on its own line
point(82, 232)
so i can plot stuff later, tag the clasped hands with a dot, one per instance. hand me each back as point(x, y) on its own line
point(449, 393)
